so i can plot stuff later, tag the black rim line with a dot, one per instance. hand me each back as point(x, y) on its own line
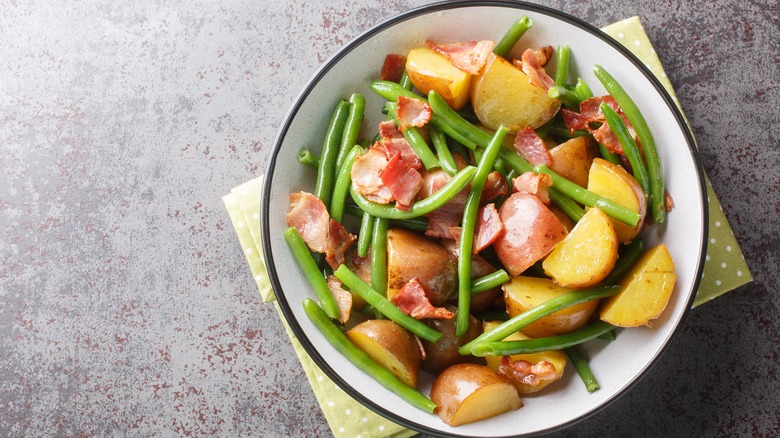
point(341, 53)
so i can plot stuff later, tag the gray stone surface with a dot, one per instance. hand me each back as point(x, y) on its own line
point(126, 307)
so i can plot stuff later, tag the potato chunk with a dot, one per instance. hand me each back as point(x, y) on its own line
point(587, 254)
point(466, 393)
point(391, 346)
point(614, 183)
point(572, 159)
point(411, 255)
point(645, 290)
point(429, 70)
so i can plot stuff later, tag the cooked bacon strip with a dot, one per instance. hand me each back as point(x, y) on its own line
point(531, 147)
point(322, 234)
point(468, 57)
point(388, 130)
point(342, 297)
point(402, 180)
point(590, 112)
point(590, 108)
point(534, 184)
point(412, 301)
point(495, 186)
point(532, 64)
point(450, 214)
point(525, 372)
point(393, 67)
point(606, 137)
point(413, 112)
point(574, 120)
point(399, 146)
point(310, 218)
point(488, 228)
point(365, 175)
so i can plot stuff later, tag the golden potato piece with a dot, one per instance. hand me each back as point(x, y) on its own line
point(466, 393)
point(587, 254)
point(503, 95)
point(429, 70)
point(614, 183)
point(410, 255)
point(645, 290)
point(523, 293)
point(389, 345)
point(572, 159)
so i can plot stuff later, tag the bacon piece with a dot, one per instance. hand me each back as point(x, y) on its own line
point(399, 146)
point(388, 130)
point(310, 218)
point(339, 239)
point(468, 57)
point(402, 180)
point(412, 301)
point(531, 147)
point(590, 108)
point(342, 297)
point(574, 120)
point(590, 112)
point(495, 186)
point(534, 184)
point(526, 373)
point(488, 228)
point(361, 266)
point(606, 137)
point(450, 214)
point(668, 201)
point(413, 112)
point(365, 175)
point(531, 64)
point(393, 67)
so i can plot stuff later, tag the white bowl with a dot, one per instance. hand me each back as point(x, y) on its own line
point(617, 365)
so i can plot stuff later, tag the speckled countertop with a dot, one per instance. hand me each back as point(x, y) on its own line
point(126, 307)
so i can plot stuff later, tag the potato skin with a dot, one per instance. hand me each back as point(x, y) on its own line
point(412, 255)
point(443, 354)
point(391, 346)
point(429, 70)
point(616, 184)
point(572, 159)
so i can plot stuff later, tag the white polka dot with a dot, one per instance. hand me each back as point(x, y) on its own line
point(358, 436)
point(381, 428)
point(255, 216)
point(341, 429)
point(249, 250)
point(728, 247)
point(723, 265)
point(348, 412)
point(620, 35)
point(240, 224)
point(739, 273)
point(637, 43)
point(319, 378)
point(663, 75)
point(330, 404)
point(364, 419)
point(258, 277)
point(712, 240)
point(244, 192)
point(707, 257)
point(717, 223)
point(336, 386)
point(717, 282)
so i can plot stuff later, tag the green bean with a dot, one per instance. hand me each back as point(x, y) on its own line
point(609, 336)
point(562, 69)
point(583, 369)
point(330, 149)
point(500, 167)
point(513, 34)
point(405, 80)
point(457, 148)
point(608, 155)
point(414, 224)
point(657, 192)
point(366, 231)
point(566, 96)
point(567, 133)
point(357, 106)
point(569, 207)
point(586, 197)
point(341, 187)
point(340, 342)
point(390, 91)
point(355, 284)
point(424, 206)
point(446, 160)
point(379, 255)
point(415, 140)
point(625, 262)
point(454, 125)
point(311, 271)
point(551, 306)
point(489, 281)
point(582, 90)
point(630, 147)
point(308, 159)
point(558, 342)
point(493, 315)
point(468, 226)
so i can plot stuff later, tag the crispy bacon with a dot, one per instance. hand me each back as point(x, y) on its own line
point(531, 147)
point(534, 184)
point(322, 234)
point(469, 56)
point(488, 228)
point(365, 175)
point(574, 120)
point(590, 112)
point(402, 180)
point(413, 112)
point(412, 301)
point(495, 186)
point(450, 214)
point(342, 297)
point(393, 67)
point(590, 108)
point(399, 146)
point(388, 130)
point(525, 372)
point(532, 64)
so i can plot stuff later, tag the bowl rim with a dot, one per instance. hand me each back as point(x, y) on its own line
point(383, 25)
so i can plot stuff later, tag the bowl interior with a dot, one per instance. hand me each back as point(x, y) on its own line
point(617, 364)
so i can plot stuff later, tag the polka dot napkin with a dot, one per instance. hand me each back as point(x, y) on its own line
point(724, 270)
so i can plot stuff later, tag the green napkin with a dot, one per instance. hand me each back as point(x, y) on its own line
point(724, 270)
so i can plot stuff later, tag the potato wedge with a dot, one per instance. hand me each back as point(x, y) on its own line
point(391, 346)
point(572, 159)
point(614, 183)
point(429, 70)
point(502, 94)
point(645, 290)
point(587, 255)
point(412, 255)
point(532, 383)
point(523, 293)
point(443, 354)
point(466, 393)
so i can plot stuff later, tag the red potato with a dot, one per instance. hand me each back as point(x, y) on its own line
point(531, 232)
point(411, 255)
